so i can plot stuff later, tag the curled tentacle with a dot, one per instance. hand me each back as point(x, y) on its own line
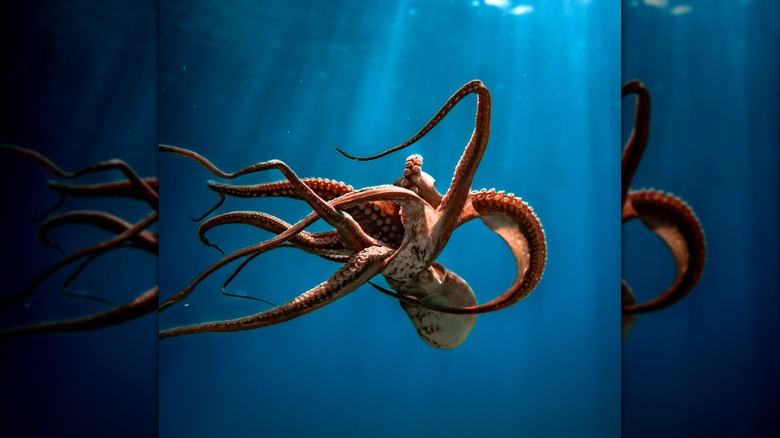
point(517, 224)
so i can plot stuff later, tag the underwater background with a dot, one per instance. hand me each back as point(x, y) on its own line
point(708, 365)
point(78, 84)
point(242, 82)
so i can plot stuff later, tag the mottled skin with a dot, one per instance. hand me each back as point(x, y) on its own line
point(664, 214)
point(367, 226)
point(126, 234)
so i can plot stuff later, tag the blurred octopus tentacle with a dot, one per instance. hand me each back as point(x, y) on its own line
point(125, 188)
point(629, 319)
point(637, 141)
point(144, 239)
point(76, 272)
point(126, 235)
point(101, 247)
point(142, 187)
point(676, 224)
point(137, 307)
point(440, 304)
point(667, 216)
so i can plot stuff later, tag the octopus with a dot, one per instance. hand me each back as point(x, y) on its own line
point(396, 230)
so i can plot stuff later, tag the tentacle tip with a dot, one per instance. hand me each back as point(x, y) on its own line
point(342, 152)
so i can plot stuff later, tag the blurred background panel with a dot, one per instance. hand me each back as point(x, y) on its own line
point(708, 365)
point(77, 83)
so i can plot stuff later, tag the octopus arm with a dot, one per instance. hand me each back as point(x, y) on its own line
point(358, 270)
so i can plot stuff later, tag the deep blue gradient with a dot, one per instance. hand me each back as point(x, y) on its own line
point(707, 366)
point(242, 83)
point(78, 84)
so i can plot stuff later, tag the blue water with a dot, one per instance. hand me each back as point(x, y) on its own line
point(243, 82)
point(707, 366)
